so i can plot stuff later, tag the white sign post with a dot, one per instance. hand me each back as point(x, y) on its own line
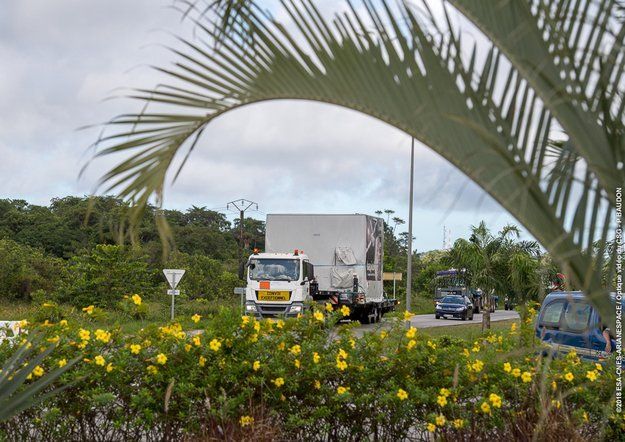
point(173, 278)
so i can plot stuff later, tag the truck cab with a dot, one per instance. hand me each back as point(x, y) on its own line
point(278, 284)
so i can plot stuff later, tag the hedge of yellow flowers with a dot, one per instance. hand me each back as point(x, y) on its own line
point(306, 377)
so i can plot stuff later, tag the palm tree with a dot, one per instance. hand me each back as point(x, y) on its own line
point(538, 124)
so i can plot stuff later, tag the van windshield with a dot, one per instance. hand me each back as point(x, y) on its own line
point(274, 269)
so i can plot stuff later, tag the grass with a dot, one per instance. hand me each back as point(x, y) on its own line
point(158, 313)
point(469, 332)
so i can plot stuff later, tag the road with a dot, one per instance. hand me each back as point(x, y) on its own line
point(428, 321)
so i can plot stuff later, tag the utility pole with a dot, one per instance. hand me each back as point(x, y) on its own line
point(241, 205)
point(409, 270)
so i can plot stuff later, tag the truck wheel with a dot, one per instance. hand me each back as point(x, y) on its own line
point(437, 317)
point(464, 317)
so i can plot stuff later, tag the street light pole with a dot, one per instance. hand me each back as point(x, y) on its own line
point(409, 269)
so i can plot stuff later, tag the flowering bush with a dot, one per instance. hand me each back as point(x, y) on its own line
point(236, 377)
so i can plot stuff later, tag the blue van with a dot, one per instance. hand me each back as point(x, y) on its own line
point(566, 321)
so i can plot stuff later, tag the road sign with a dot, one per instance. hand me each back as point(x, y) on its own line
point(173, 276)
point(390, 276)
point(173, 292)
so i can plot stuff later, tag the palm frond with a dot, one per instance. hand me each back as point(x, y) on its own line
point(403, 66)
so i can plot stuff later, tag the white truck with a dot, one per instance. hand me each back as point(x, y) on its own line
point(334, 259)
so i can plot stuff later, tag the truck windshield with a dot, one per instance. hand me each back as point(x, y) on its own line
point(274, 269)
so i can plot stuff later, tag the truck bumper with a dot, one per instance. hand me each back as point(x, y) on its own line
point(273, 310)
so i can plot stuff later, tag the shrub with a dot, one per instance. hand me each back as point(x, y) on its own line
point(102, 276)
point(205, 277)
point(25, 269)
point(246, 379)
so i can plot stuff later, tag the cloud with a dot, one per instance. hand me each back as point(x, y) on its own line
point(66, 56)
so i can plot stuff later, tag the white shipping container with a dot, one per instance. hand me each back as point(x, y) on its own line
point(339, 246)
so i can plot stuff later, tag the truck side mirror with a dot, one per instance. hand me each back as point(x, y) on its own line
point(304, 281)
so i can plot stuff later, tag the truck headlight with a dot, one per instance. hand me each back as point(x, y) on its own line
point(438, 306)
point(250, 308)
point(296, 308)
point(459, 309)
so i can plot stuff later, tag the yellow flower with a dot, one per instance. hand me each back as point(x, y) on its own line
point(296, 349)
point(281, 346)
point(246, 420)
point(161, 359)
point(342, 354)
point(99, 360)
point(352, 343)
point(256, 365)
point(342, 390)
point(458, 423)
point(513, 327)
point(297, 363)
point(88, 310)
point(316, 357)
point(477, 366)
point(196, 318)
point(432, 345)
point(411, 344)
point(102, 335)
point(556, 403)
point(278, 382)
point(554, 385)
point(507, 367)
point(202, 361)
point(411, 333)
point(136, 299)
point(197, 341)
point(54, 339)
point(38, 371)
point(485, 407)
point(599, 367)
point(526, 376)
point(280, 323)
point(256, 326)
point(63, 322)
point(319, 316)
point(62, 362)
point(254, 337)
point(495, 399)
point(591, 375)
point(187, 347)
point(215, 345)
point(244, 320)
point(341, 364)
point(475, 348)
point(383, 334)
point(109, 367)
point(444, 392)
point(345, 310)
point(516, 372)
point(466, 352)
point(440, 420)
point(569, 376)
point(329, 307)
point(402, 394)
point(317, 385)
point(431, 427)
point(407, 315)
point(85, 335)
point(152, 369)
point(585, 417)
point(442, 401)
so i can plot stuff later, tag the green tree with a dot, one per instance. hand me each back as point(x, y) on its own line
point(105, 274)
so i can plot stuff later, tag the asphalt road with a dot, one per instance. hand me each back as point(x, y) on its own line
point(429, 321)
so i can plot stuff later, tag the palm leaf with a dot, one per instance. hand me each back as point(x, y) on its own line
point(403, 66)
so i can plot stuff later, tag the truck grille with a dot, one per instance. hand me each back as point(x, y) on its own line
point(272, 310)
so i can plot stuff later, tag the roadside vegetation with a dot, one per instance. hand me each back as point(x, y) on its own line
point(244, 379)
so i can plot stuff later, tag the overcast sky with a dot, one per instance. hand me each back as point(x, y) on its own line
point(62, 58)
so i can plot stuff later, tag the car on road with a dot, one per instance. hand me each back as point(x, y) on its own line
point(456, 307)
point(566, 321)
